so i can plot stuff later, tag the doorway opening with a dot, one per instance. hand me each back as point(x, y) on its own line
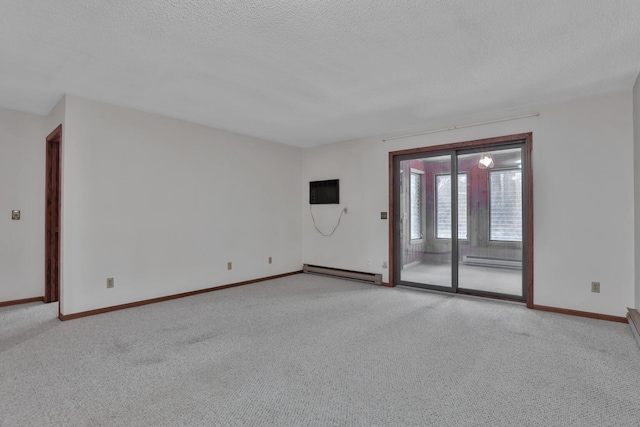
point(462, 218)
point(52, 216)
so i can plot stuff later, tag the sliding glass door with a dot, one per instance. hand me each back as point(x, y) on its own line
point(426, 248)
point(460, 222)
point(490, 259)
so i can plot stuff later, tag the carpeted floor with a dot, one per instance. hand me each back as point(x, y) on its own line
point(313, 351)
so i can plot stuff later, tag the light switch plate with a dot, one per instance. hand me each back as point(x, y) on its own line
point(15, 215)
point(383, 215)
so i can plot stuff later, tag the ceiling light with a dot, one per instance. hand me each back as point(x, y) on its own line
point(486, 162)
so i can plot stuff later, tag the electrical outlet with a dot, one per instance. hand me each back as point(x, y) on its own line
point(595, 287)
point(384, 264)
point(270, 260)
point(229, 265)
point(110, 282)
point(345, 210)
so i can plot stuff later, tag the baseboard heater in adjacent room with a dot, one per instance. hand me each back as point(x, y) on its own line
point(492, 262)
point(346, 274)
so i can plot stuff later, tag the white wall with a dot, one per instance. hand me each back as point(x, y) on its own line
point(56, 117)
point(583, 200)
point(162, 205)
point(22, 164)
point(636, 170)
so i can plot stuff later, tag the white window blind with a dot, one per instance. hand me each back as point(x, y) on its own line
point(416, 206)
point(443, 206)
point(506, 205)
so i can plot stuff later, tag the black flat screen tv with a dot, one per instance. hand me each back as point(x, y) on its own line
point(324, 192)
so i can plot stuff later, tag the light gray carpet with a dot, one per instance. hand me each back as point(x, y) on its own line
point(313, 351)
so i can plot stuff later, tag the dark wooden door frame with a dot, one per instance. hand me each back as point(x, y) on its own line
point(475, 144)
point(52, 216)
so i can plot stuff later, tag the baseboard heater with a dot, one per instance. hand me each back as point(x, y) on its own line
point(346, 274)
point(492, 262)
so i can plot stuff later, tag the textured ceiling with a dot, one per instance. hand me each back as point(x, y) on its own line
point(308, 72)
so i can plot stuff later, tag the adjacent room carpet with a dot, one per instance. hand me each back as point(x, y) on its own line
point(314, 351)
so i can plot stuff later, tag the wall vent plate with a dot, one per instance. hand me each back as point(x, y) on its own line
point(15, 215)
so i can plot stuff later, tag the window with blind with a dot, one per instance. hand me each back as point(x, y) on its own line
point(416, 205)
point(506, 205)
point(443, 206)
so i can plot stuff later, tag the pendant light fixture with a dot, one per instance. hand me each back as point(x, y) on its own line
point(486, 161)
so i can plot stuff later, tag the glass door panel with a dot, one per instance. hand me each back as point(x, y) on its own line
point(490, 254)
point(425, 221)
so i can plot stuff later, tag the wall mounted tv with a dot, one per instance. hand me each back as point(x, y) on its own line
point(324, 192)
